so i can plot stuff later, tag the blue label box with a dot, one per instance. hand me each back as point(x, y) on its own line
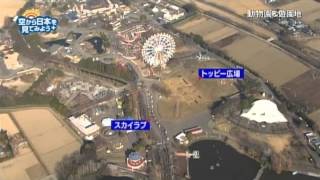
point(40, 24)
point(134, 125)
point(221, 73)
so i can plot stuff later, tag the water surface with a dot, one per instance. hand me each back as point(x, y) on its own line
point(219, 161)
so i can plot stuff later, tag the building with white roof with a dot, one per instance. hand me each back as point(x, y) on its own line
point(182, 138)
point(106, 122)
point(84, 125)
point(264, 111)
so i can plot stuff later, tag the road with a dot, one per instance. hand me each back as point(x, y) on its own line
point(158, 131)
point(299, 134)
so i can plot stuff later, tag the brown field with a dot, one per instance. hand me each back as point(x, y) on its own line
point(7, 124)
point(50, 139)
point(24, 166)
point(314, 44)
point(278, 143)
point(305, 89)
point(9, 8)
point(239, 7)
point(227, 40)
point(188, 93)
point(310, 9)
point(265, 60)
point(220, 34)
point(315, 116)
point(200, 25)
point(211, 31)
point(183, 48)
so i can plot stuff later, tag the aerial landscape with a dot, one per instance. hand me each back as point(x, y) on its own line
point(159, 90)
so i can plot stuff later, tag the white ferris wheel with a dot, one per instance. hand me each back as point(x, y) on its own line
point(158, 49)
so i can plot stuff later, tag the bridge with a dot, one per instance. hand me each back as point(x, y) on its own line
point(195, 155)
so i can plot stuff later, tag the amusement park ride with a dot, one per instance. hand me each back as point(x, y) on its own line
point(130, 41)
point(158, 49)
point(155, 52)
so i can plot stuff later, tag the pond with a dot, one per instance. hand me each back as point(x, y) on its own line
point(97, 43)
point(219, 161)
point(61, 42)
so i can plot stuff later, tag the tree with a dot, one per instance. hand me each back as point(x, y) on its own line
point(139, 145)
point(161, 89)
point(54, 5)
point(198, 39)
point(63, 7)
point(105, 39)
point(126, 2)
point(127, 105)
point(4, 139)
point(88, 149)
point(48, 12)
point(64, 21)
point(189, 8)
point(246, 102)
point(69, 165)
point(143, 17)
point(248, 86)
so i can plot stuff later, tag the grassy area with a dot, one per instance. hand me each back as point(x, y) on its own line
point(122, 72)
point(32, 48)
point(106, 41)
point(127, 105)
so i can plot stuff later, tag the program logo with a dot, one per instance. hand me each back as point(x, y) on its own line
point(31, 13)
point(31, 22)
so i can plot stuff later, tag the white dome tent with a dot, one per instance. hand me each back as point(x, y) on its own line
point(264, 111)
point(158, 49)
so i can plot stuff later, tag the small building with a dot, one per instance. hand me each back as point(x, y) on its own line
point(84, 125)
point(182, 138)
point(194, 130)
point(106, 125)
point(172, 13)
point(106, 122)
point(118, 146)
point(135, 161)
point(270, 1)
point(313, 141)
point(155, 9)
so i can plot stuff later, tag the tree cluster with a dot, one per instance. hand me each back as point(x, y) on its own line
point(111, 69)
point(32, 97)
point(161, 89)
